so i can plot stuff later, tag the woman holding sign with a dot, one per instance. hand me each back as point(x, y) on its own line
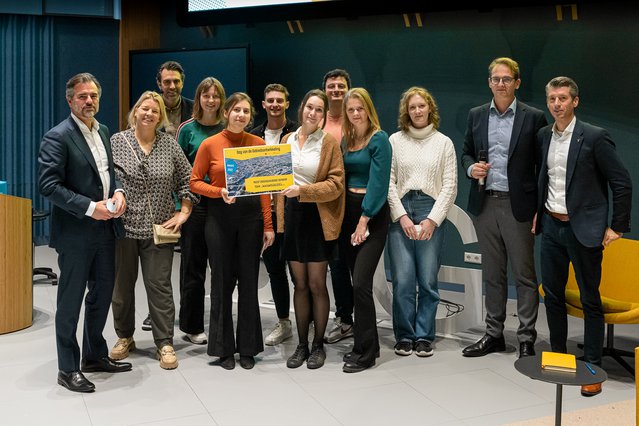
point(311, 221)
point(236, 230)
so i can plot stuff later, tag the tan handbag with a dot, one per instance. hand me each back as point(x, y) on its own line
point(161, 235)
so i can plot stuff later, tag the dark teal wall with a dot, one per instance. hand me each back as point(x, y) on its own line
point(449, 55)
point(87, 45)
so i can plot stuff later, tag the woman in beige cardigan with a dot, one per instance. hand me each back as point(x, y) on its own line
point(310, 214)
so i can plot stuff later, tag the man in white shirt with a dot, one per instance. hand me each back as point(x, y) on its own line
point(277, 125)
point(76, 174)
point(579, 164)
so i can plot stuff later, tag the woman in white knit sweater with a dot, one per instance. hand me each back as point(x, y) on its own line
point(423, 187)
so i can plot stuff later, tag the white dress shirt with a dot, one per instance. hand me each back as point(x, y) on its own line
point(557, 163)
point(94, 141)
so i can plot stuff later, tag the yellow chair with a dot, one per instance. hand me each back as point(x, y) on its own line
point(619, 290)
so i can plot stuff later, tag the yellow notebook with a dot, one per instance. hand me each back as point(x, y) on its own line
point(558, 361)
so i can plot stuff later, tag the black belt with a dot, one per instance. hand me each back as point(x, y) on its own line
point(494, 193)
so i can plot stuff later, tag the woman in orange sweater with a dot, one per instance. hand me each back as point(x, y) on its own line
point(236, 230)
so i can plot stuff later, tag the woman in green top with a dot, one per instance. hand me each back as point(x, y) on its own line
point(206, 121)
point(367, 162)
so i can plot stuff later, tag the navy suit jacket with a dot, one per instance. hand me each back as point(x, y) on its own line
point(523, 157)
point(69, 179)
point(593, 166)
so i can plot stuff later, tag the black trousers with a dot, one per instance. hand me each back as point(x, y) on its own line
point(89, 264)
point(193, 259)
point(276, 268)
point(342, 288)
point(362, 261)
point(234, 235)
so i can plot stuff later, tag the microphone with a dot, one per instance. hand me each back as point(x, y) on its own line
point(483, 157)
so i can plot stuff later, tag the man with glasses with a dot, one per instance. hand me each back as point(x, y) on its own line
point(500, 158)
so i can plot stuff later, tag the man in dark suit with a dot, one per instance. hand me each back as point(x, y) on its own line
point(578, 165)
point(77, 176)
point(500, 157)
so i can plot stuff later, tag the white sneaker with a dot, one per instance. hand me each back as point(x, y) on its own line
point(198, 339)
point(282, 331)
point(341, 331)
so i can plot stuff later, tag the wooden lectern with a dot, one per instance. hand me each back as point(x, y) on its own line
point(16, 281)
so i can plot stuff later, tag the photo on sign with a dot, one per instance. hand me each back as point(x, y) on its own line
point(254, 170)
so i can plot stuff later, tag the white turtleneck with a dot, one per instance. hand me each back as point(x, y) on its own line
point(423, 159)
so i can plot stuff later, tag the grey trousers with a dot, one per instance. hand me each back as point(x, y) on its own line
point(156, 262)
point(503, 240)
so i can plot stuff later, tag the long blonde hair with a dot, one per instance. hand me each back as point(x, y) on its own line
point(348, 130)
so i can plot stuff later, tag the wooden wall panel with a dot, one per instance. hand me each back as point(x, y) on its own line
point(139, 29)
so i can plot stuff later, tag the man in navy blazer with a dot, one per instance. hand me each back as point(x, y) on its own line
point(500, 158)
point(579, 165)
point(76, 174)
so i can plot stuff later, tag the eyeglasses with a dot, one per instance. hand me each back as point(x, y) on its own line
point(506, 80)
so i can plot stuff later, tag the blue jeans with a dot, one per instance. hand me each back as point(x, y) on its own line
point(415, 264)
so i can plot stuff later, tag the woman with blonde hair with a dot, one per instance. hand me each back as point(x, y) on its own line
point(423, 187)
point(151, 167)
point(367, 161)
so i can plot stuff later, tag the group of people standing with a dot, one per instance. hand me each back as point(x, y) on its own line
point(356, 191)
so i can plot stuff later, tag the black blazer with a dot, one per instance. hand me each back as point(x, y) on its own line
point(523, 157)
point(69, 179)
point(593, 165)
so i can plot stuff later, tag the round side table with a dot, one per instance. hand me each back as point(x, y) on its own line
point(531, 366)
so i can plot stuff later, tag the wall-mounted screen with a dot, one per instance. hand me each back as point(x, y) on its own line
point(219, 12)
point(229, 65)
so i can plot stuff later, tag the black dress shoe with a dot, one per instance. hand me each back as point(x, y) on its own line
point(75, 381)
point(106, 365)
point(485, 345)
point(352, 356)
point(526, 349)
point(354, 367)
